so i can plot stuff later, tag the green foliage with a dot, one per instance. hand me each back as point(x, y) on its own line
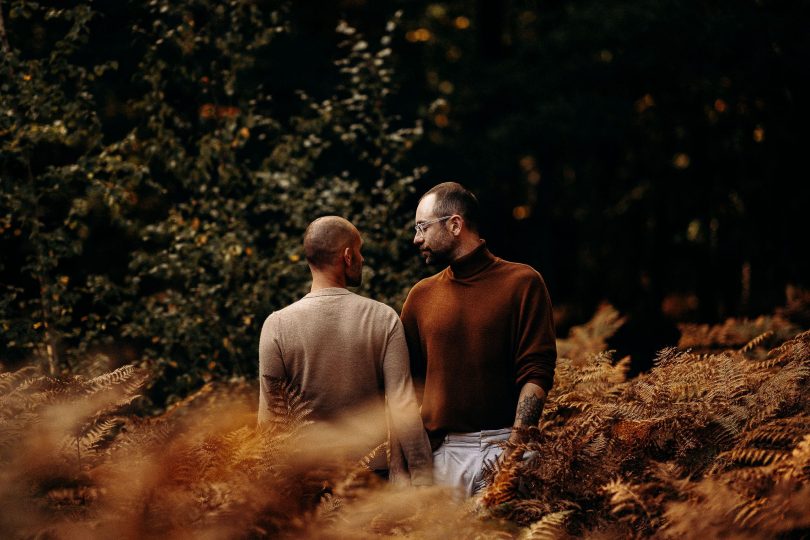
point(50, 136)
point(177, 238)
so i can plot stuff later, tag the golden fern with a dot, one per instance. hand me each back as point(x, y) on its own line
point(592, 336)
point(503, 487)
point(710, 442)
point(754, 456)
point(626, 502)
point(287, 404)
point(549, 527)
point(756, 342)
point(360, 477)
point(779, 392)
point(780, 433)
point(12, 379)
point(183, 404)
point(734, 333)
point(797, 467)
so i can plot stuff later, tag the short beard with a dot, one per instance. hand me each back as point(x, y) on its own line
point(356, 280)
point(440, 258)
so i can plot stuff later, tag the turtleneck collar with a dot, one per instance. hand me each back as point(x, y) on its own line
point(471, 263)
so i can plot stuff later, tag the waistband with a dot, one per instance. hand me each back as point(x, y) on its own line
point(478, 437)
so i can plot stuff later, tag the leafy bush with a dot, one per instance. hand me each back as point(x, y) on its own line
point(172, 242)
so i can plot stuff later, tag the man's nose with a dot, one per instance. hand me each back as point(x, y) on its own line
point(418, 239)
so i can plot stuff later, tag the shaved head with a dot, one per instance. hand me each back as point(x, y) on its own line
point(326, 238)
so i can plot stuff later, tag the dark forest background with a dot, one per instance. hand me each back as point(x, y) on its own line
point(159, 161)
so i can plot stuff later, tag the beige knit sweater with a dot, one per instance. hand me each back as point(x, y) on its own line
point(346, 352)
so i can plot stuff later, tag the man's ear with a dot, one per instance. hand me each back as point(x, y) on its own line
point(347, 256)
point(456, 225)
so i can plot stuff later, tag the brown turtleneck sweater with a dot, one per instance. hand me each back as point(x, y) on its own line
point(477, 332)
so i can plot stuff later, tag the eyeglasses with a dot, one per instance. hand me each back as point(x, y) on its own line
point(420, 228)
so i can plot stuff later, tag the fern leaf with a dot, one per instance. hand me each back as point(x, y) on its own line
point(505, 483)
point(748, 347)
point(113, 378)
point(756, 456)
point(550, 527)
point(9, 380)
point(749, 512)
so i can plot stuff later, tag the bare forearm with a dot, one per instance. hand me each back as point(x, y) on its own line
point(531, 400)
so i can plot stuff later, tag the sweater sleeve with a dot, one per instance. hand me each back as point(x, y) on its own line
point(271, 365)
point(536, 351)
point(406, 424)
point(417, 361)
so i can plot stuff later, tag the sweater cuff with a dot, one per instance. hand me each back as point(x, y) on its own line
point(543, 382)
point(422, 477)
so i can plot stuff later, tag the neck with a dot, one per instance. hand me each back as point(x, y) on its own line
point(326, 280)
point(468, 244)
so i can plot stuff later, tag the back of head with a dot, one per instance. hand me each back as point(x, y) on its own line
point(453, 198)
point(326, 238)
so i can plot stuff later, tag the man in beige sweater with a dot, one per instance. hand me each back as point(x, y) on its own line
point(345, 352)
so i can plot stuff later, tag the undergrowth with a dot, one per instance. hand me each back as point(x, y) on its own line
point(713, 441)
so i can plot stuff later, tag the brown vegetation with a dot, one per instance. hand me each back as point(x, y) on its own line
point(713, 441)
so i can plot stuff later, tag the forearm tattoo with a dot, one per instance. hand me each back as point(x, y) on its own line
point(528, 411)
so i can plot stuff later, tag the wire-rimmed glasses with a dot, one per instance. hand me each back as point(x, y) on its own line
point(421, 227)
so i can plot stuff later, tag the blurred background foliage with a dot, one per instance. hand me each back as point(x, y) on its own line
point(154, 204)
point(159, 161)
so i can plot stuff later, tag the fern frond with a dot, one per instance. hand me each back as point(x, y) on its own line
point(724, 430)
point(360, 476)
point(798, 467)
point(625, 502)
point(755, 456)
point(244, 447)
point(287, 404)
point(98, 434)
point(328, 508)
point(10, 379)
point(188, 400)
point(779, 433)
point(114, 378)
point(370, 456)
point(591, 337)
point(550, 527)
point(505, 482)
point(780, 391)
point(749, 512)
point(757, 341)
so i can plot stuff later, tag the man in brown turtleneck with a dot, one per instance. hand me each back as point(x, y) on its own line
point(481, 339)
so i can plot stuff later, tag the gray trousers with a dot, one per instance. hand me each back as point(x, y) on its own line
point(460, 460)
